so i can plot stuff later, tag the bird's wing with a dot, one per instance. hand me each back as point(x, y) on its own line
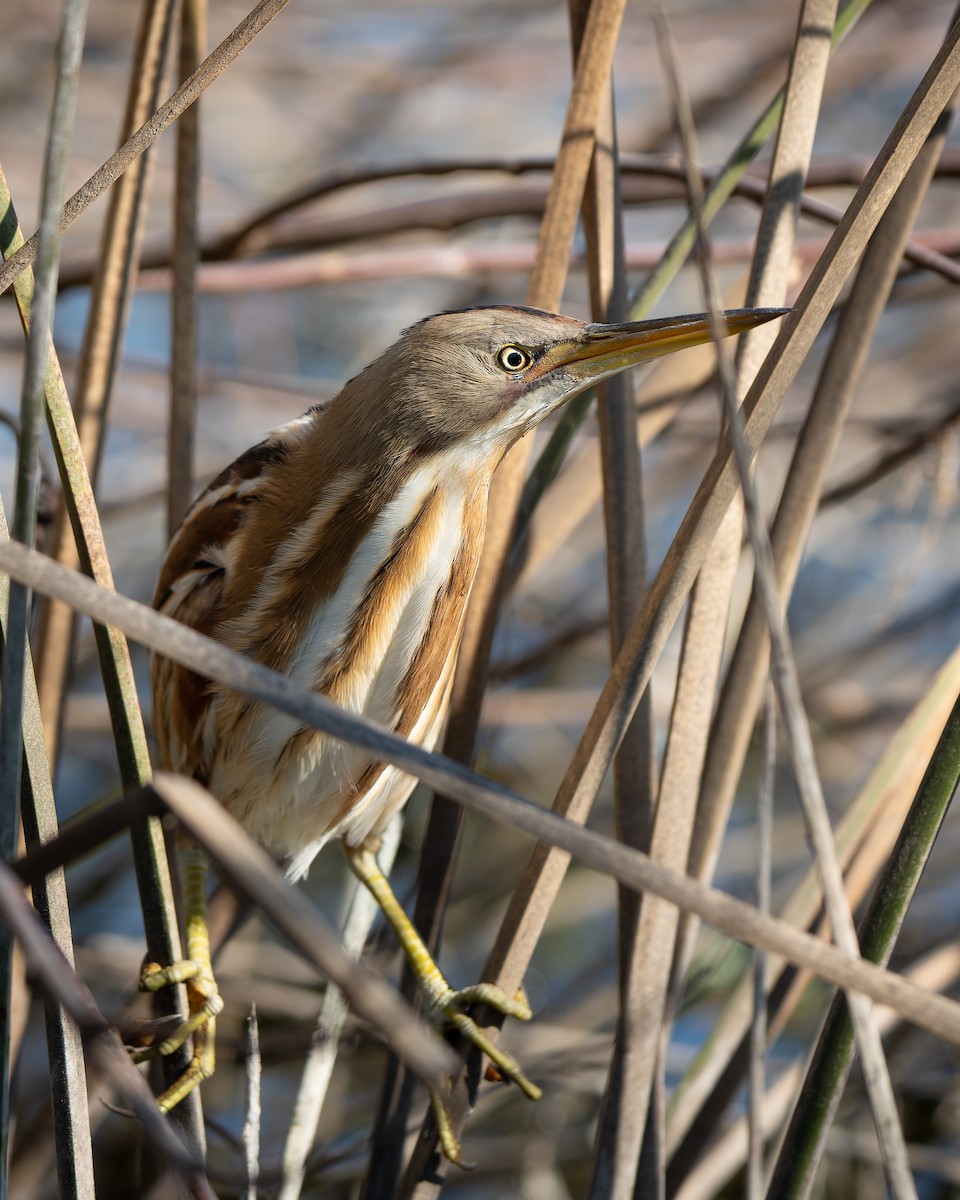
point(191, 586)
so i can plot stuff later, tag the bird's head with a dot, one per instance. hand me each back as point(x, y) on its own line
point(482, 377)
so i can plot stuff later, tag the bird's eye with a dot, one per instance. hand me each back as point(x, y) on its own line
point(514, 358)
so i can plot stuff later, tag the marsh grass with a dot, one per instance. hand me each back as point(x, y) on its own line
point(345, 173)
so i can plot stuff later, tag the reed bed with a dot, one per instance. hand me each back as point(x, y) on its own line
point(714, 637)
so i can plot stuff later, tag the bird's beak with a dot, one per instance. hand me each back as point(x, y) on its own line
point(600, 351)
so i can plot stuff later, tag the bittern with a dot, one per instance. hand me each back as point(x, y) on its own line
point(341, 551)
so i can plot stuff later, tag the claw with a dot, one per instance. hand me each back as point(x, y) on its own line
point(441, 1104)
point(205, 1002)
point(450, 1012)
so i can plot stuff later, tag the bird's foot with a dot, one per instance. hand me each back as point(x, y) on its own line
point(205, 1003)
point(447, 1009)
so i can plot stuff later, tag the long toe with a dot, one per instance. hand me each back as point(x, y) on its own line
point(507, 1066)
point(487, 993)
point(442, 1114)
point(205, 1004)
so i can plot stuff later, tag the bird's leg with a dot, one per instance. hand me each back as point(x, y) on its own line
point(196, 971)
point(445, 1008)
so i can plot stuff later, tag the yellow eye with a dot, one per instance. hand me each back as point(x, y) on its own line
point(514, 358)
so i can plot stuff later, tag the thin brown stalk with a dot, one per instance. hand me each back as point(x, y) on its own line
point(634, 766)
point(786, 683)
point(722, 912)
point(56, 979)
point(76, 838)
point(183, 354)
point(930, 252)
point(693, 704)
point(150, 859)
point(210, 69)
point(867, 832)
point(545, 289)
point(776, 240)
point(886, 464)
point(112, 286)
point(711, 598)
point(16, 654)
point(645, 177)
point(799, 502)
point(756, 1094)
point(937, 971)
point(71, 1116)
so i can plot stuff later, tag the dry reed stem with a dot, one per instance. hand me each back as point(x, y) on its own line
point(112, 285)
point(71, 1114)
point(768, 283)
point(879, 1086)
point(545, 289)
point(209, 70)
point(54, 978)
point(768, 286)
point(797, 727)
point(631, 673)
point(624, 520)
point(867, 831)
point(644, 181)
point(722, 912)
point(756, 1072)
point(184, 300)
point(930, 252)
point(74, 1162)
point(937, 971)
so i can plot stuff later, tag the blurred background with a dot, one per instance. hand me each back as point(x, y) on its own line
point(329, 87)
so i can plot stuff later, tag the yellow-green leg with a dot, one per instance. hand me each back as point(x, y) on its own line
point(444, 1007)
point(196, 971)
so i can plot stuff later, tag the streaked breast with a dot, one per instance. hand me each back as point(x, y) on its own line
point(382, 644)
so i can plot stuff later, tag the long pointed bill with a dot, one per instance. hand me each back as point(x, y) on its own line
point(600, 351)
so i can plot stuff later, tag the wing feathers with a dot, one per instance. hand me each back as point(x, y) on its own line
point(353, 582)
